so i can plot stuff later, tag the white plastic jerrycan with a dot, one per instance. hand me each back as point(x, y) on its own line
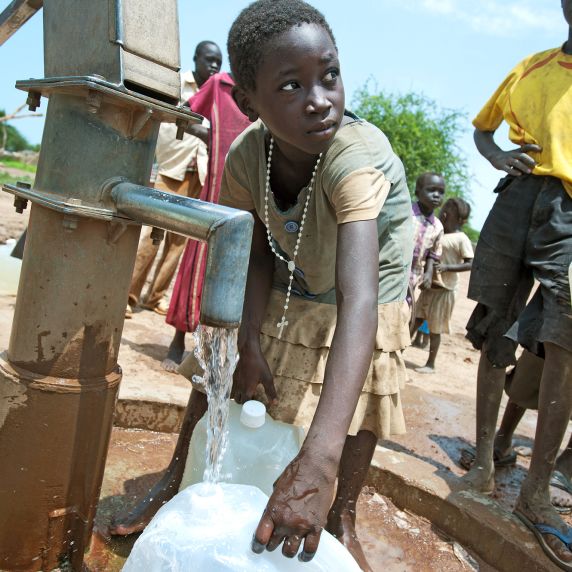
point(209, 528)
point(258, 449)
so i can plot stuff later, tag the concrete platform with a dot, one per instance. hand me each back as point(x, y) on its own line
point(477, 522)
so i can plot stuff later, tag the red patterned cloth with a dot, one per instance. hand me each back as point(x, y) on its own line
point(214, 101)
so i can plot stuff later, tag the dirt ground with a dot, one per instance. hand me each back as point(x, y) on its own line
point(439, 410)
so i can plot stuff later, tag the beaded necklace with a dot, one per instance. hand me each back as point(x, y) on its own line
point(290, 263)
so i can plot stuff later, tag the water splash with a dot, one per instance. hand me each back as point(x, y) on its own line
point(217, 353)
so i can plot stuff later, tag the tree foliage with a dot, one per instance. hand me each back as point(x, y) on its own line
point(11, 139)
point(423, 135)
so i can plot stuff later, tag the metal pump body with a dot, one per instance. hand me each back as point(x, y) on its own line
point(112, 70)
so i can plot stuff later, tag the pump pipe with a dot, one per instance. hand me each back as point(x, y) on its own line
point(227, 232)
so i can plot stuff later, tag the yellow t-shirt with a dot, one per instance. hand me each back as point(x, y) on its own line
point(536, 101)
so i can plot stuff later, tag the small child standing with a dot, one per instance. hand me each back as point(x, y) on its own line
point(428, 230)
point(436, 303)
point(427, 233)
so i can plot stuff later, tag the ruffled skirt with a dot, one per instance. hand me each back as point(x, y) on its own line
point(298, 362)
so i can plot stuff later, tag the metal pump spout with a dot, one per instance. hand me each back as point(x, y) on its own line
point(227, 232)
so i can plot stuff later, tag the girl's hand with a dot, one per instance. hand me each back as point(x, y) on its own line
point(297, 510)
point(252, 369)
point(516, 162)
point(427, 280)
point(441, 267)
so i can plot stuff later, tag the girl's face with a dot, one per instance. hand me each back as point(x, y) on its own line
point(299, 91)
point(450, 219)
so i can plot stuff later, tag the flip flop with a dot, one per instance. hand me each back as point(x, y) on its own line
point(468, 457)
point(561, 481)
point(539, 530)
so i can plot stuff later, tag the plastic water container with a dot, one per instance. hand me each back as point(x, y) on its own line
point(258, 449)
point(209, 528)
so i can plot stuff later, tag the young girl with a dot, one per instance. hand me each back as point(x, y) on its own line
point(436, 304)
point(325, 318)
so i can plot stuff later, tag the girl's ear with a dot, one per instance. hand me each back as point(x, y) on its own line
point(243, 103)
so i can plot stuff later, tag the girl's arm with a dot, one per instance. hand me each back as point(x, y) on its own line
point(357, 284)
point(428, 274)
point(298, 507)
point(252, 367)
point(465, 266)
point(515, 162)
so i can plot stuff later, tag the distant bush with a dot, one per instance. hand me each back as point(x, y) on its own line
point(11, 139)
point(422, 134)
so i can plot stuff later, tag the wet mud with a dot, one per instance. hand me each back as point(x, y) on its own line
point(393, 540)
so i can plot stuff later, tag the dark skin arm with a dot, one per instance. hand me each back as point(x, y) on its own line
point(428, 274)
point(465, 266)
point(252, 367)
point(298, 507)
point(515, 162)
point(199, 131)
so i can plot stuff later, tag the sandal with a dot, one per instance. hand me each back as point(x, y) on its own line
point(561, 481)
point(468, 457)
point(540, 530)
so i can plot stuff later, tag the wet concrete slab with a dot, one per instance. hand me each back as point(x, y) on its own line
point(480, 523)
point(394, 540)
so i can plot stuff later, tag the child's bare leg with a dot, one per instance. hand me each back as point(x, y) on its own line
point(417, 342)
point(434, 344)
point(175, 352)
point(554, 409)
point(490, 384)
point(510, 420)
point(414, 325)
point(356, 458)
point(558, 496)
point(136, 519)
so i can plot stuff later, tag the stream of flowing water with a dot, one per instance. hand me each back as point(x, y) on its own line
point(217, 353)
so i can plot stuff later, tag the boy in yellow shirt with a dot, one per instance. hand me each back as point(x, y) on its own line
point(528, 236)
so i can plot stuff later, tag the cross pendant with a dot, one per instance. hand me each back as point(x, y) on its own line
point(281, 324)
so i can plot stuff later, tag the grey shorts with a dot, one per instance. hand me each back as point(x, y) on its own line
point(527, 236)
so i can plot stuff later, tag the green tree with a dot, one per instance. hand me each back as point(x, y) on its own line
point(10, 138)
point(422, 134)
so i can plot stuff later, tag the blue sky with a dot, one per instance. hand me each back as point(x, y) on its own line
point(454, 51)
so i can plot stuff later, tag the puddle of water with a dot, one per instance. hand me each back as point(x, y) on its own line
point(9, 270)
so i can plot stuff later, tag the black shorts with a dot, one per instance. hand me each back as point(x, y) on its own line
point(527, 236)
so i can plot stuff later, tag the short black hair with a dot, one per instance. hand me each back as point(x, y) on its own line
point(462, 207)
point(204, 44)
point(256, 25)
point(423, 175)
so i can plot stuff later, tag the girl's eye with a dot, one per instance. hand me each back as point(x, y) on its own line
point(331, 75)
point(290, 86)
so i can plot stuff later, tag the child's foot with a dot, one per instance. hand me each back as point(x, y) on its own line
point(342, 527)
point(426, 369)
point(174, 356)
point(552, 533)
point(480, 479)
point(560, 490)
point(170, 365)
point(136, 519)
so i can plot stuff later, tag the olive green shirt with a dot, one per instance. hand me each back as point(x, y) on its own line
point(359, 178)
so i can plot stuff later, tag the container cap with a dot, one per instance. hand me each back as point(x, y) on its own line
point(253, 414)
